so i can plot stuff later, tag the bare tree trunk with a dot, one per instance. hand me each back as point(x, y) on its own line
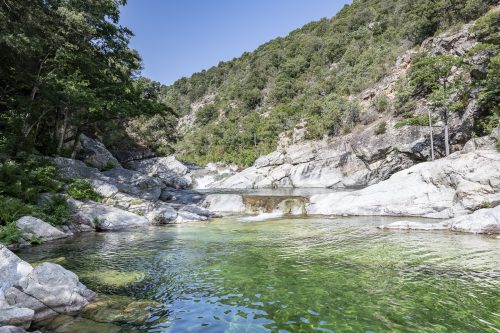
point(446, 133)
point(75, 143)
point(432, 135)
point(63, 130)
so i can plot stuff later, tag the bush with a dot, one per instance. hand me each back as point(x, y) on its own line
point(56, 211)
point(486, 204)
point(81, 189)
point(9, 234)
point(27, 177)
point(381, 128)
point(12, 208)
point(381, 103)
point(413, 121)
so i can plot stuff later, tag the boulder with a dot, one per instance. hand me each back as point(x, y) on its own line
point(483, 221)
point(14, 329)
point(95, 154)
point(172, 172)
point(413, 225)
point(448, 187)
point(12, 269)
point(104, 217)
point(49, 290)
point(32, 226)
point(135, 183)
point(15, 316)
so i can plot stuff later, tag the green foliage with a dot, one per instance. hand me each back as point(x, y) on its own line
point(9, 233)
point(486, 204)
point(27, 177)
point(413, 121)
point(66, 68)
point(108, 166)
point(381, 128)
point(55, 211)
point(497, 145)
point(206, 114)
point(382, 103)
point(12, 208)
point(81, 189)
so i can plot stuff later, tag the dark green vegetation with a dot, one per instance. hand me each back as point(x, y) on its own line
point(286, 275)
point(310, 74)
point(65, 69)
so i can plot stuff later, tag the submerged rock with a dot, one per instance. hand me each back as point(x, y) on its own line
point(32, 226)
point(114, 278)
point(444, 188)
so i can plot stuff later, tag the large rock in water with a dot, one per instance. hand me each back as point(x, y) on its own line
point(483, 221)
point(449, 187)
point(49, 290)
point(30, 294)
point(104, 217)
point(172, 172)
point(32, 226)
point(94, 153)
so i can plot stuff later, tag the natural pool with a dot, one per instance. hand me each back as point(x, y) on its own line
point(283, 275)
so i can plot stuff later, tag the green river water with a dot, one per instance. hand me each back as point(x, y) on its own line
point(282, 275)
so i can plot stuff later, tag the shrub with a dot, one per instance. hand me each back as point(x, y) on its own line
point(27, 177)
point(9, 234)
point(381, 128)
point(81, 189)
point(381, 103)
point(413, 121)
point(56, 211)
point(497, 145)
point(486, 204)
point(12, 208)
point(108, 166)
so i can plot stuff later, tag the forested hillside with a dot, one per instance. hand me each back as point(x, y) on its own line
point(235, 111)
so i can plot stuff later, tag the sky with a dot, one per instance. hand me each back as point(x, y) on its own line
point(177, 38)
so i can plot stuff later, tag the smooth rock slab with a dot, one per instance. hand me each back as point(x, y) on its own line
point(104, 217)
point(94, 153)
point(34, 226)
point(483, 221)
point(169, 169)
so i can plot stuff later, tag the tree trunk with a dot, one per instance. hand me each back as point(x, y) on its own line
point(446, 134)
point(63, 130)
point(432, 136)
point(75, 144)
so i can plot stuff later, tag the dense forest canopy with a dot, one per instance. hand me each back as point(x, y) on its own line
point(66, 68)
point(308, 75)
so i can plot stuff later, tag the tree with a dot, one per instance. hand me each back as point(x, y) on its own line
point(430, 76)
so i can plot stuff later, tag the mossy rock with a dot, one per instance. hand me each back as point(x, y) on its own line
point(114, 278)
point(68, 324)
point(58, 260)
point(119, 310)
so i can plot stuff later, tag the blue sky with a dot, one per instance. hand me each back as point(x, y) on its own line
point(177, 38)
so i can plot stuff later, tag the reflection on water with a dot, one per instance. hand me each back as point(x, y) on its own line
point(292, 275)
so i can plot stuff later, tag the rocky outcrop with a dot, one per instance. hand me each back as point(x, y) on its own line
point(445, 188)
point(355, 160)
point(203, 178)
point(109, 183)
point(33, 227)
point(483, 221)
point(29, 295)
point(95, 154)
point(104, 217)
point(172, 172)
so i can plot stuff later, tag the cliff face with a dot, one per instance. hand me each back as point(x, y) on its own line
point(377, 147)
